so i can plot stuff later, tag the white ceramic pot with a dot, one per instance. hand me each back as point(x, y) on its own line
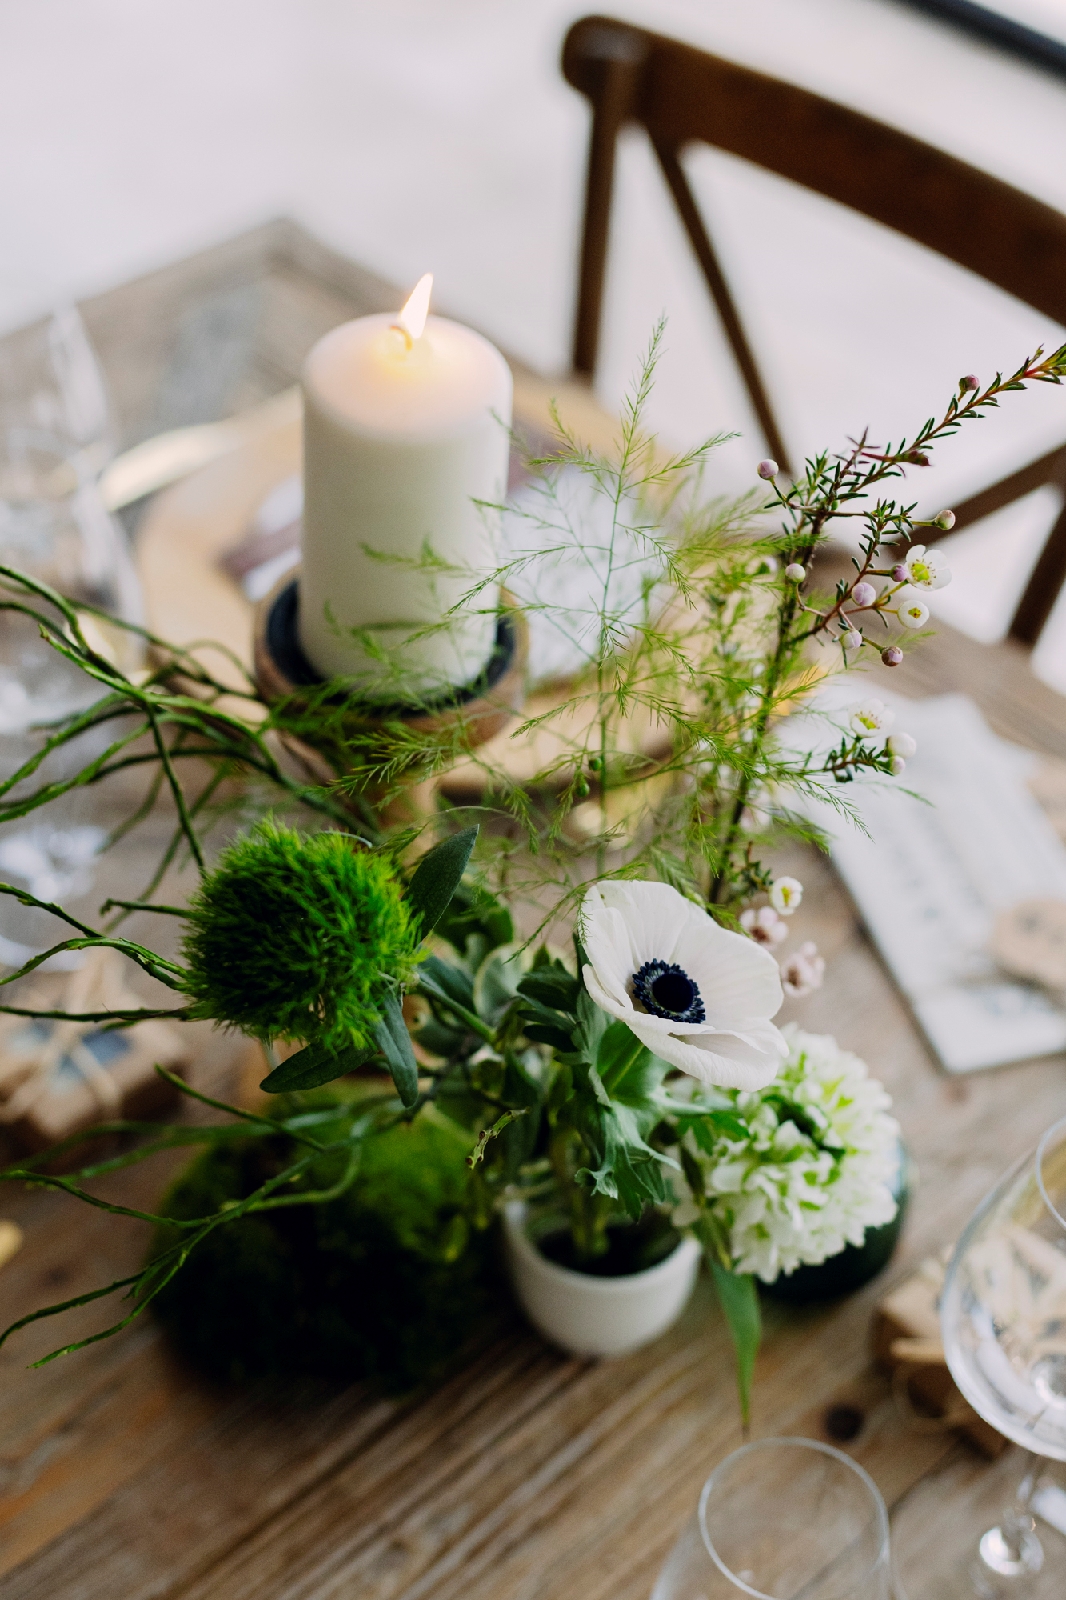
point(590, 1316)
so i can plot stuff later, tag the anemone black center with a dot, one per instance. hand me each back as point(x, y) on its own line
point(666, 990)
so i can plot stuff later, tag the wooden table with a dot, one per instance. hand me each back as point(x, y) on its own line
point(529, 1476)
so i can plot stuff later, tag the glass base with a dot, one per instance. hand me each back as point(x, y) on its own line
point(950, 1539)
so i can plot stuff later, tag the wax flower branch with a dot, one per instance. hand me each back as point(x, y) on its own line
point(620, 1065)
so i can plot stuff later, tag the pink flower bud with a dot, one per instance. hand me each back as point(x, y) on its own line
point(803, 972)
point(945, 520)
point(795, 572)
point(768, 469)
point(892, 656)
point(864, 594)
point(900, 573)
point(898, 765)
point(969, 382)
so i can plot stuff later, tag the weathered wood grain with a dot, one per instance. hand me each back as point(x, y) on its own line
point(528, 1476)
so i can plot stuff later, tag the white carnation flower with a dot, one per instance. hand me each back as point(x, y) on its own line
point(816, 1168)
point(697, 995)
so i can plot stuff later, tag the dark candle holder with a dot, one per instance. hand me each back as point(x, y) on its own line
point(480, 709)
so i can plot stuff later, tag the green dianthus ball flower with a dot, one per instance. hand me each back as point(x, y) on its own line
point(296, 935)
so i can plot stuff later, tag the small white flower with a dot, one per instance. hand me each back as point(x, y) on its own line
point(925, 568)
point(803, 972)
point(903, 744)
point(795, 572)
point(913, 613)
point(763, 925)
point(785, 895)
point(872, 716)
point(697, 995)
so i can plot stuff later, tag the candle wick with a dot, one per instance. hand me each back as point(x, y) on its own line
point(408, 341)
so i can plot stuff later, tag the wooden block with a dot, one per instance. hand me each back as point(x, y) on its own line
point(905, 1338)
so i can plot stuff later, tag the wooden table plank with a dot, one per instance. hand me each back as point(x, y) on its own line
point(528, 1476)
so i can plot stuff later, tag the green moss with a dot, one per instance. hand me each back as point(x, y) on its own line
point(386, 1283)
point(295, 936)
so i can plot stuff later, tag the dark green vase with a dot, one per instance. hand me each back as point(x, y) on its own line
point(855, 1265)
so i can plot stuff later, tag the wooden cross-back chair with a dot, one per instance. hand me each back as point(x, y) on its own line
point(680, 96)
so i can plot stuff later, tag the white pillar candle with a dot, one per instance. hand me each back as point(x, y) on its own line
point(405, 427)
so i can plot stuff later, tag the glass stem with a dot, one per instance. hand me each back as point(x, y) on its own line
point(1010, 1553)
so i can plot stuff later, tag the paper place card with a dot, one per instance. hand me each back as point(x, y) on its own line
point(930, 879)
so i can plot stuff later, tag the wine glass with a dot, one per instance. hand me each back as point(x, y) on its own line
point(782, 1519)
point(1003, 1316)
point(55, 437)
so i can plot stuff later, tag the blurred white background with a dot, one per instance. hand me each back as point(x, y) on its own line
point(439, 135)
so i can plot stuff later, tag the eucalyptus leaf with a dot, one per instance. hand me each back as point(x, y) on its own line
point(394, 1042)
point(313, 1066)
point(438, 875)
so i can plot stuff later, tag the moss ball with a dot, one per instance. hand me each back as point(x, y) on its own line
point(387, 1283)
point(295, 936)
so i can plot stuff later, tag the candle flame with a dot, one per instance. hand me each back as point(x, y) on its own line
point(412, 319)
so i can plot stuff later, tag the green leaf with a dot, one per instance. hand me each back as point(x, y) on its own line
point(629, 1169)
point(546, 1026)
point(592, 1024)
point(437, 877)
point(447, 983)
point(394, 1042)
point(475, 914)
point(710, 1126)
point(627, 1069)
point(496, 982)
point(551, 986)
point(313, 1066)
point(739, 1299)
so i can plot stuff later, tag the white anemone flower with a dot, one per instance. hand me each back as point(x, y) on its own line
point(926, 569)
point(697, 995)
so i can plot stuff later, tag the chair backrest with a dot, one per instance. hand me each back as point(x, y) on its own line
point(680, 95)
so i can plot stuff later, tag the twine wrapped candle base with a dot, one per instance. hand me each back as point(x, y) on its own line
point(476, 712)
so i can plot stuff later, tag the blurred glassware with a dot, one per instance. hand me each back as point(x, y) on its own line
point(780, 1519)
point(54, 409)
point(55, 437)
point(1003, 1316)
